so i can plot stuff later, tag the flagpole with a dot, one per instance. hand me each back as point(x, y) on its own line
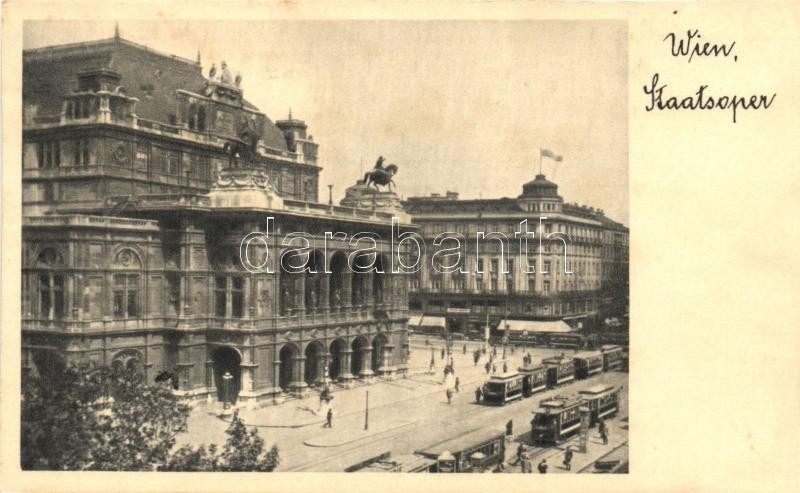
point(540, 160)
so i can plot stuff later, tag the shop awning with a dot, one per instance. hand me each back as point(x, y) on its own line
point(534, 326)
point(414, 320)
point(432, 321)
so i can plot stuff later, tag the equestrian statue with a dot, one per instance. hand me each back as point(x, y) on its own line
point(380, 175)
point(243, 147)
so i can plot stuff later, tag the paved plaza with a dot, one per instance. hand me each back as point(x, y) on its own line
point(405, 414)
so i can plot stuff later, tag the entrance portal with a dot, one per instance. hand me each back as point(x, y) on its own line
point(335, 367)
point(288, 355)
point(359, 343)
point(227, 359)
point(312, 368)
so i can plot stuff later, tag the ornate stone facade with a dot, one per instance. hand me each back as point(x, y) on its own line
point(133, 222)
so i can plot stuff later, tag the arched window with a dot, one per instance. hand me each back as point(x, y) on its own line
point(126, 286)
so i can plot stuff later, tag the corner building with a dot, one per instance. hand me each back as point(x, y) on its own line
point(489, 291)
point(141, 177)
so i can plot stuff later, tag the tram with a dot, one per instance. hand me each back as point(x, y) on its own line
point(534, 379)
point(560, 370)
point(565, 340)
point(602, 400)
point(504, 388)
point(612, 357)
point(556, 419)
point(588, 363)
point(460, 454)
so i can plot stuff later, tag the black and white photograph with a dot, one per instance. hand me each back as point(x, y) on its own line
point(394, 246)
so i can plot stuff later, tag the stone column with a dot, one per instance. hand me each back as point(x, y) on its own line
point(323, 296)
point(345, 376)
point(366, 363)
point(347, 287)
point(369, 301)
point(299, 385)
point(322, 359)
point(300, 293)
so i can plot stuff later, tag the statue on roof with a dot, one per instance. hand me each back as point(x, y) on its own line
point(245, 146)
point(238, 80)
point(380, 175)
point(225, 76)
point(213, 71)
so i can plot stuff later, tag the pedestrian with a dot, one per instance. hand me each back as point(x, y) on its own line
point(604, 435)
point(505, 367)
point(568, 459)
point(488, 367)
point(543, 467)
point(510, 428)
point(449, 394)
point(442, 353)
point(432, 364)
point(526, 462)
point(478, 395)
point(494, 369)
point(465, 349)
point(457, 382)
point(520, 451)
point(329, 419)
point(427, 342)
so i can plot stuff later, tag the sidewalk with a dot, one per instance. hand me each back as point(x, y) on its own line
point(618, 437)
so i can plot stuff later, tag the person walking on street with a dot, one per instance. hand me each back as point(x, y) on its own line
point(328, 419)
point(510, 428)
point(478, 395)
point(488, 367)
point(457, 382)
point(520, 451)
point(505, 367)
point(465, 349)
point(568, 459)
point(449, 394)
point(442, 353)
point(604, 435)
point(543, 467)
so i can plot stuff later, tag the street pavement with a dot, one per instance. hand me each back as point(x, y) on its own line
point(405, 415)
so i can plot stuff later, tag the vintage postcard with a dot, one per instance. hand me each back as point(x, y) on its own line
point(289, 243)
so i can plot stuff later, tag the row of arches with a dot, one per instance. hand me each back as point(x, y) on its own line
point(335, 361)
point(363, 282)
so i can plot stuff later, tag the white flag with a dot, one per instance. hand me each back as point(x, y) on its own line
point(548, 153)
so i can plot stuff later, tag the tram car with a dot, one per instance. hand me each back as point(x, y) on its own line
point(560, 370)
point(602, 400)
point(612, 357)
point(476, 450)
point(503, 388)
point(565, 340)
point(588, 364)
point(556, 419)
point(385, 462)
point(534, 379)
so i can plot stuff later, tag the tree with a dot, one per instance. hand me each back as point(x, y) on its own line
point(243, 451)
point(101, 418)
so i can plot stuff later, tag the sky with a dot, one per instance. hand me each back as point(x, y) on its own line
point(459, 106)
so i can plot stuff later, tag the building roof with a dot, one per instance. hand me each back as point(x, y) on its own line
point(52, 72)
point(462, 442)
point(540, 187)
point(534, 326)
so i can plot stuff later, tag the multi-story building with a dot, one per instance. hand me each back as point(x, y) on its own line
point(574, 267)
point(141, 177)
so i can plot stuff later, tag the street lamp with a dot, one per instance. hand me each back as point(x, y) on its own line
point(226, 390)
